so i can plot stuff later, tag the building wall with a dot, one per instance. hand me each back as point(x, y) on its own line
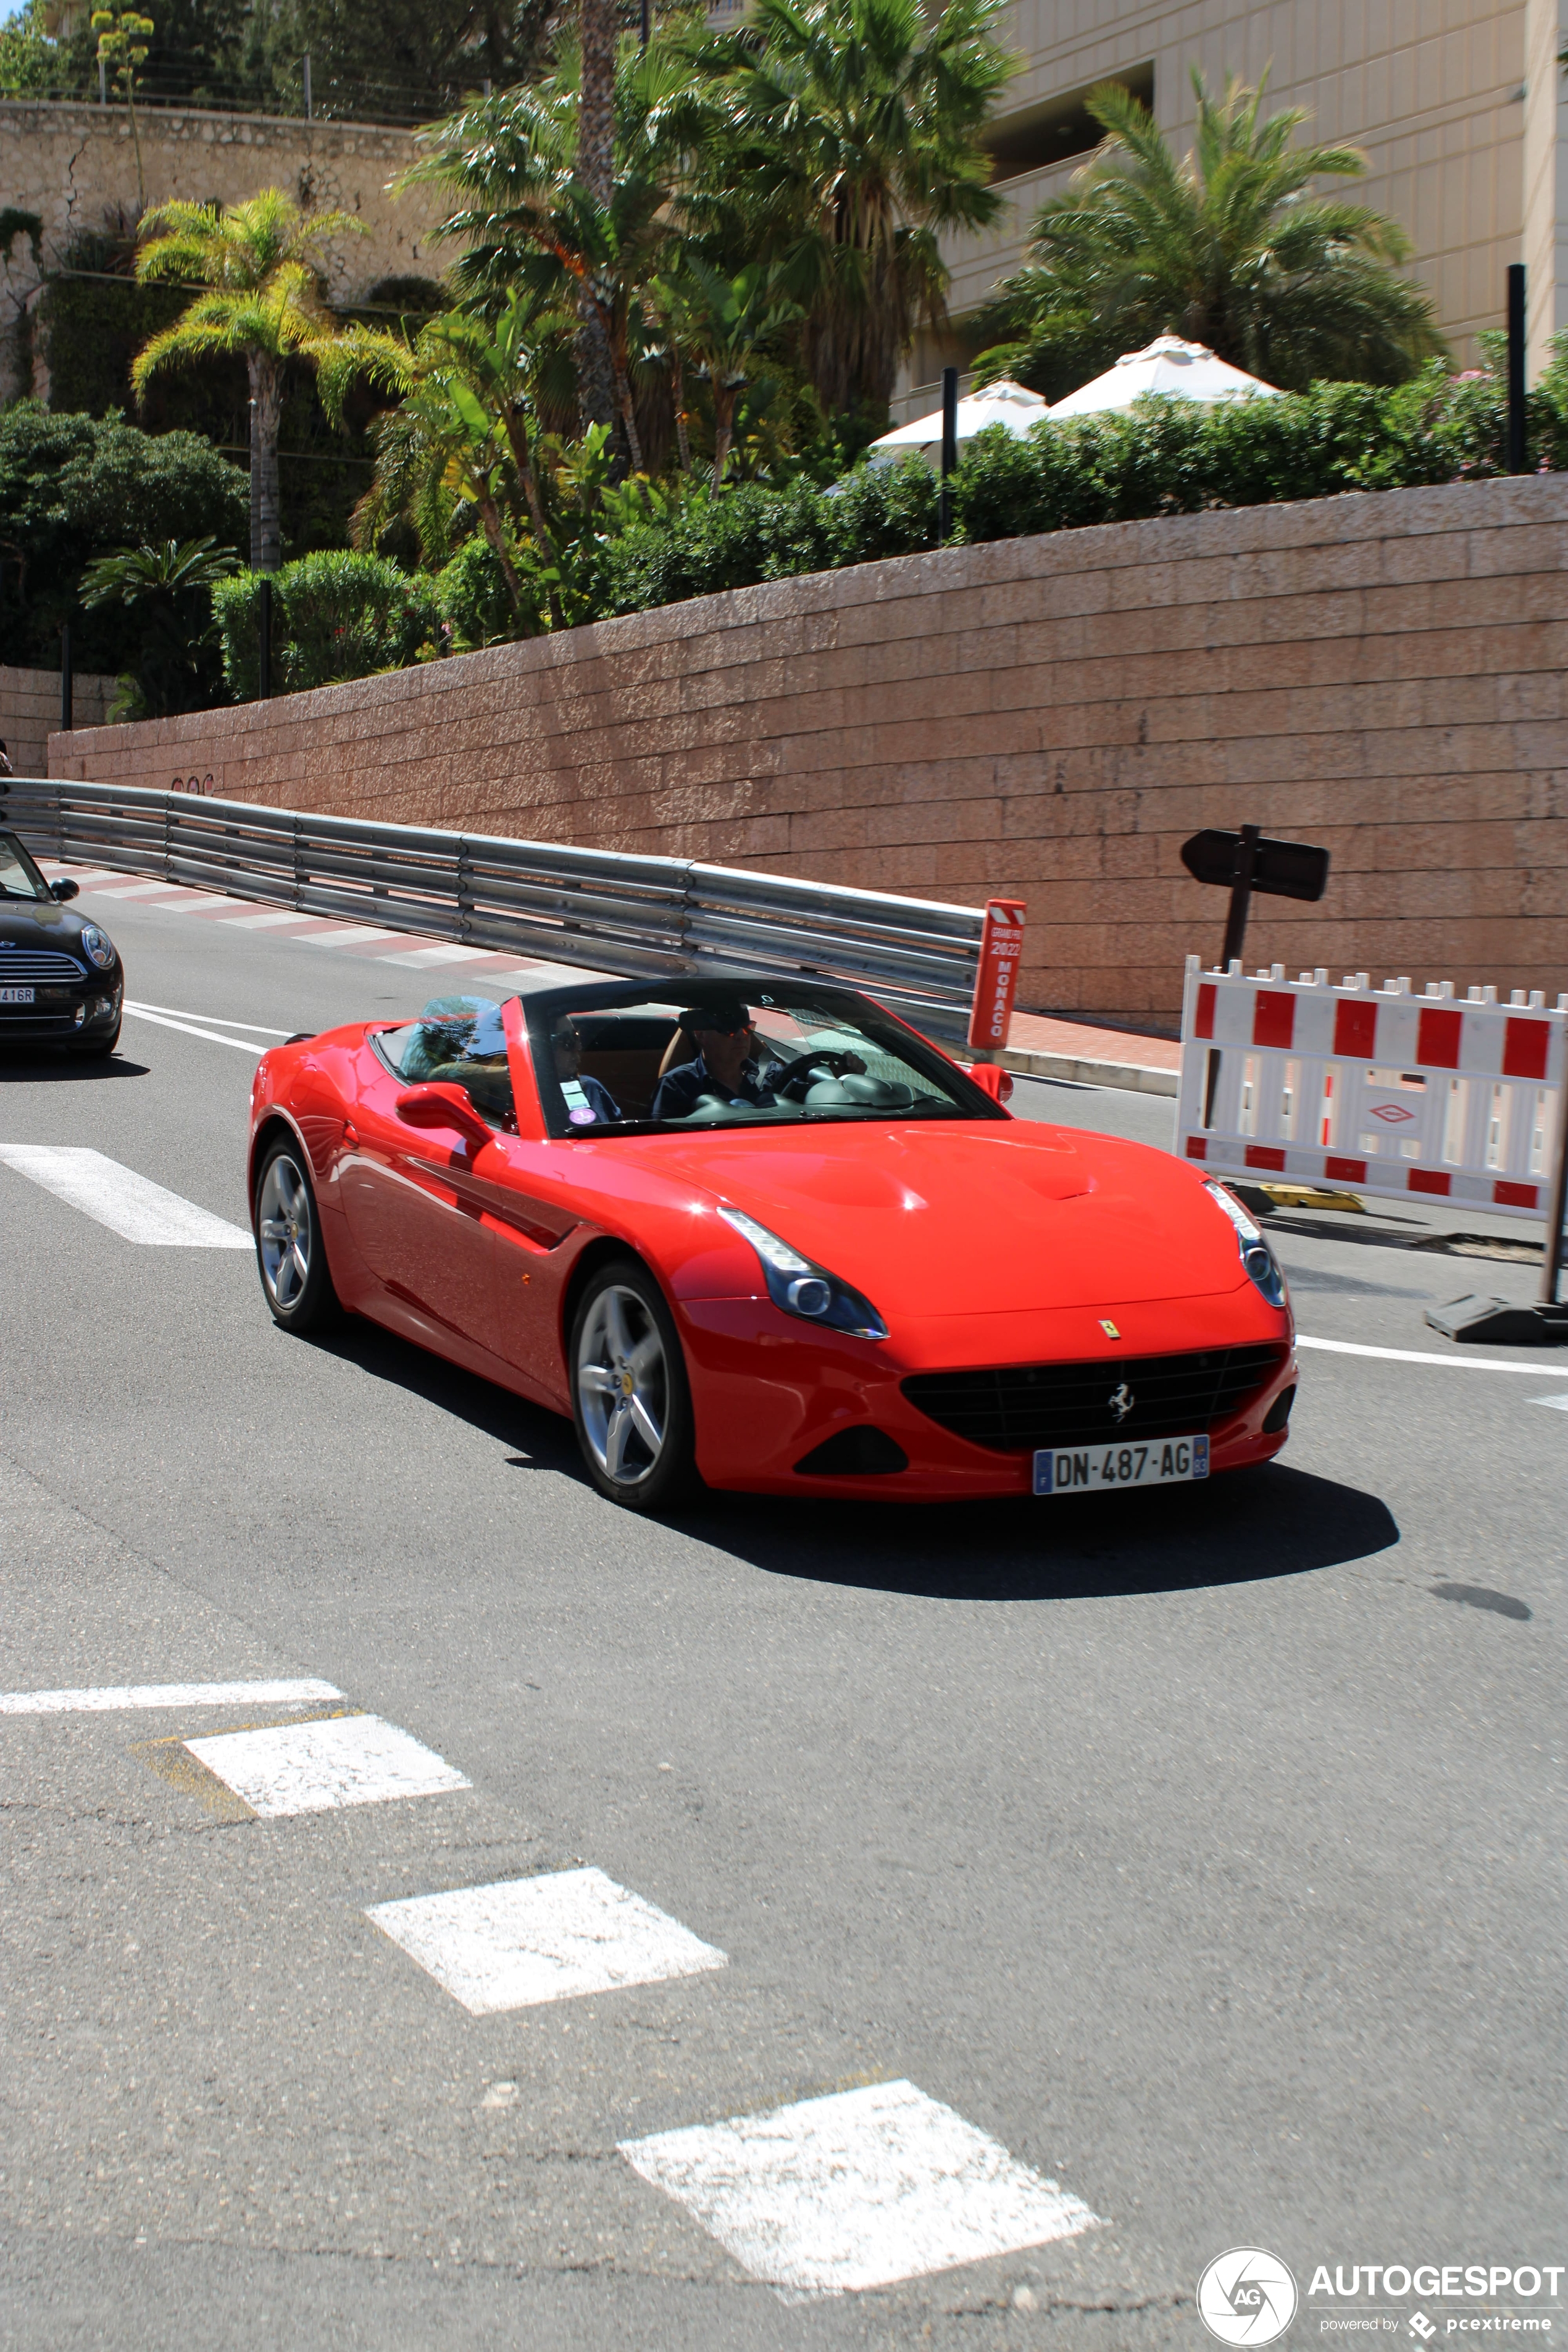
point(1041, 718)
point(31, 708)
point(1433, 91)
point(73, 166)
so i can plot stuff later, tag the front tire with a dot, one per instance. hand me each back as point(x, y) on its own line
point(289, 1257)
point(631, 1400)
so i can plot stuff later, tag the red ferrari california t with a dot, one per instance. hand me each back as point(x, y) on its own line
point(761, 1234)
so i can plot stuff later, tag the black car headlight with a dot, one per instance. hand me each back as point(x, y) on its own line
point(97, 945)
point(1256, 1256)
point(801, 1287)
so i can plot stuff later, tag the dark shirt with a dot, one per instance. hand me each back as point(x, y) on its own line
point(678, 1088)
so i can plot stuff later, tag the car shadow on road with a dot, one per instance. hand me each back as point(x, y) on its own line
point(1244, 1528)
point(1241, 1529)
point(44, 1066)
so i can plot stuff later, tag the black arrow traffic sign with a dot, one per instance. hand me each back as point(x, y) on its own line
point(1243, 862)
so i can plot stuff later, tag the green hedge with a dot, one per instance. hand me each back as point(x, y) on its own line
point(335, 615)
point(1166, 457)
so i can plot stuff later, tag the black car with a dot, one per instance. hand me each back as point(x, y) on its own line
point(61, 980)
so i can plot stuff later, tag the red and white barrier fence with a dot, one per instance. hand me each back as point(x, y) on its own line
point(1436, 1096)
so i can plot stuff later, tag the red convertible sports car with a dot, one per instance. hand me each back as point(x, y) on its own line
point(761, 1234)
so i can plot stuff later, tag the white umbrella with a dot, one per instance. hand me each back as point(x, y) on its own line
point(1170, 369)
point(1003, 403)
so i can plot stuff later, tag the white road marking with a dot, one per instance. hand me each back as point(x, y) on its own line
point(109, 1697)
point(1408, 1356)
point(528, 1940)
point(420, 959)
point(139, 891)
point(218, 1020)
point(1560, 1401)
point(131, 1206)
point(189, 1029)
point(265, 920)
point(856, 2190)
point(309, 1768)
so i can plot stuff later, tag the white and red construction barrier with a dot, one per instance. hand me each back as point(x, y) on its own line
point(1449, 1098)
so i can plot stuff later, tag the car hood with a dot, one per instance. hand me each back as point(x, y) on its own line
point(30, 923)
point(983, 1218)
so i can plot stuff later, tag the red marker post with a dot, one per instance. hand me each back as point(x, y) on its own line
point(996, 981)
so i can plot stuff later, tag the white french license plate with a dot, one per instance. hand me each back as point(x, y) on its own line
point(16, 996)
point(1091, 1469)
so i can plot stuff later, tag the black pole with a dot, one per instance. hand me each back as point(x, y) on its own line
point(1240, 894)
point(1559, 1209)
point(949, 450)
point(266, 650)
point(1517, 462)
point(646, 20)
point(66, 682)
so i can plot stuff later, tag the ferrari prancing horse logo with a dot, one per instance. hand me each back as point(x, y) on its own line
point(1121, 1402)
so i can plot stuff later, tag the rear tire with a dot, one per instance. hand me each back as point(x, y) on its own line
point(289, 1255)
point(631, 1400)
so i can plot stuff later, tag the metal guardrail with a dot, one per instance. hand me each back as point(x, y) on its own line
point(644, 917)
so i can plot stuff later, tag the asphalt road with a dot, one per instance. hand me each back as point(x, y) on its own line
point(1200, 1848)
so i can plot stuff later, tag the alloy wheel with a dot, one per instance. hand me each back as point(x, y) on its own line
point(284, 1232)
point(623, 1386)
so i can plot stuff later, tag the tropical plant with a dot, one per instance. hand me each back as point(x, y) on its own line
point(122, 38)
point(75, 488)
point(336, 615)
point(459, 439)
point(1228, 246)
point(165, 590)
point(850, 130)
point(258, 263)
point(722, 322)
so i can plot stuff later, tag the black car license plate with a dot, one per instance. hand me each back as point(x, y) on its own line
point(16, 996)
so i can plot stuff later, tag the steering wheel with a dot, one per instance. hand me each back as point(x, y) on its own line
point(782, 1075)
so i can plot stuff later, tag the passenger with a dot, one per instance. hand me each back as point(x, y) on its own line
point(726, 1063)
point(587, 1099)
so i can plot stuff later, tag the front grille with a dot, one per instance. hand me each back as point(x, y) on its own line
point(22, 966)
point(1017, 1407)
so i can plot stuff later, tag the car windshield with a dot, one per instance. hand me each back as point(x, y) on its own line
point(738, 1053)
point(19, 878)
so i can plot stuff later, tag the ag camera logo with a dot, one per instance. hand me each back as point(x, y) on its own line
point(1246, 2297)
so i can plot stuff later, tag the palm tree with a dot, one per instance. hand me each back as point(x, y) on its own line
point(263, 303)
point(721, 321)
point(167, 587)
point(1226, 246)
point(851, 128)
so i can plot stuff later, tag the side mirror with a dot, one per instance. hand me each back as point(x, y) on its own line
point(440, 1105)
point(993, 1081)
point(63, 890)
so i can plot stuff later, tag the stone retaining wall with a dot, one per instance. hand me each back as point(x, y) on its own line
point(1040, 718)
point(30, 706)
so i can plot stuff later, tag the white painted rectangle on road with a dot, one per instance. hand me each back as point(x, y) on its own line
point(131, 1206)
point(422, 958)
point(310, 1768)
point(264, 921)
point(856, 2190)
point(527, 1940)
point(105, 1698)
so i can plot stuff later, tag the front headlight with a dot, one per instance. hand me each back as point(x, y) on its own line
point(97, 945)
point(803, 1288)
point(1256, 1256)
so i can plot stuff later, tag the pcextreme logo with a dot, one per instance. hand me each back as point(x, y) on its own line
point(1246, 2297)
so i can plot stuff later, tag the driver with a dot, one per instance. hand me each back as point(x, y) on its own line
point(725, 1062)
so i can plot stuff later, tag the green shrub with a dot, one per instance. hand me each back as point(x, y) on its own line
point(73, 488)
point(471, 598)
point(1164, 457)
point(335, 615)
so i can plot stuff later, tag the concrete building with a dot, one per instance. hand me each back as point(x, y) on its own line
point(1459, 105)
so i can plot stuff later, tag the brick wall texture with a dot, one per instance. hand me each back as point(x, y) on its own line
point(30, 706)
point(1044, 718)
